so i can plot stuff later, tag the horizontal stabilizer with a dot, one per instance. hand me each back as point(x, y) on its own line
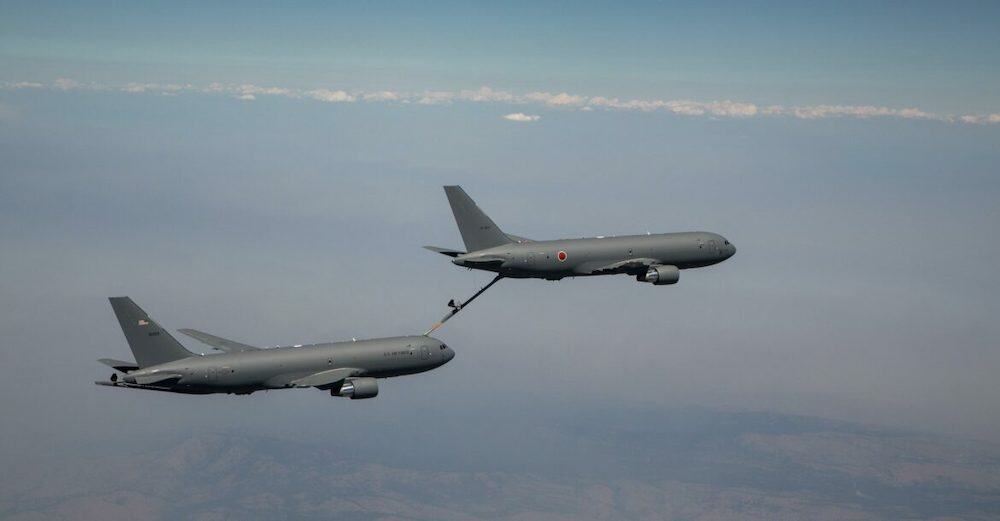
point(445, 251)
point(219, 343)
point(119, 365)
point(327, 378)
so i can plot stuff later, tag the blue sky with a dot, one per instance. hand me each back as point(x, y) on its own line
point(937, 57)
point(288, 202)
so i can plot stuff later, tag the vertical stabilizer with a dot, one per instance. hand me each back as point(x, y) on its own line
point(150, 343)
point(478, 230)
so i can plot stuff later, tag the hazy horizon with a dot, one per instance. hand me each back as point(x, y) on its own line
point(276, 197)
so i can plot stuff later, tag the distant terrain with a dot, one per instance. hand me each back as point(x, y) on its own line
point(690, 464)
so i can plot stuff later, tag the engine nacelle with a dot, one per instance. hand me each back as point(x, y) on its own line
point(359, 388)
point(660, 275)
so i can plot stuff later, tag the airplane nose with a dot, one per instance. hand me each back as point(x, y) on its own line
point(447, 353)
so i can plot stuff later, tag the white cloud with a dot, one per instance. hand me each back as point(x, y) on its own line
point(138, 87)
point(562, 100)
point(331, 96)
point(436, 97)
point(981, 119)
point(270, 91)
point(615, 103)
point(853, 111)
point(486, 94)
point(520, 116)
point(382, 95)
point(23, 85)
point(166, 89)
point(686, 108)
point(215, 87)
point(66, 84)
point(732, 109)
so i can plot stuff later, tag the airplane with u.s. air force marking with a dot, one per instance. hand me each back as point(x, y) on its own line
point(347, 369)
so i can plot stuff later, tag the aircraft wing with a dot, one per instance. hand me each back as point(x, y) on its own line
point(625, 266)
point(327, 378)
point(216, 342)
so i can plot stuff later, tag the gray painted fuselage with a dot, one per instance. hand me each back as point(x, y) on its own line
point(600, 255)
point(277, 368)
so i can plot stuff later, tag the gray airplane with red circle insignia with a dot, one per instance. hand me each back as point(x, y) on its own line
point(653, 258)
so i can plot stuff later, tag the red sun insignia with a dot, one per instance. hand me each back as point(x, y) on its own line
point(561, 256)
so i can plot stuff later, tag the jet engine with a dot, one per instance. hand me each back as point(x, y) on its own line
point(359, 388)
point(660, 275)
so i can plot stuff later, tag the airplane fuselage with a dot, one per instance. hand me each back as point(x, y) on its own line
point(277, 368)
point(599, 255)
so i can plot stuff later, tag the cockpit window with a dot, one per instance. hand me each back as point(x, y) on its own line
point(443, 347)
point(727, 242)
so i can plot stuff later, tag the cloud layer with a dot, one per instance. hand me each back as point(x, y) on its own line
point(520, 116)
point(561, 100)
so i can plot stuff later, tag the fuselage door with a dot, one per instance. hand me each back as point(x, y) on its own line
point(425, 352)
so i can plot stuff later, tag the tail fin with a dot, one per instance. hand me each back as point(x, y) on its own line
point(150, 343)
point(478, 230)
